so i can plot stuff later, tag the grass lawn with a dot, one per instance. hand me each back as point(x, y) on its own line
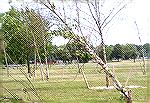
point(66, 85)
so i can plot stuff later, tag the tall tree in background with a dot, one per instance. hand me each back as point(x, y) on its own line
point(133, 53)
point(130, 51)
point(109, 50)
point(78, 52)
point(118, 52)
point(147, 49)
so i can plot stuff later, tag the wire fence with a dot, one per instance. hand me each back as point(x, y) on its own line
point(68, 80)
point(36, 70)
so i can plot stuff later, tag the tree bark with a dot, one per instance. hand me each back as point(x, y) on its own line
point(35, 65)
point(117, 84)
point(6, 59)
point(105, 61)
point(47, 70)
point(41, 67)
point(36, 49)
point(28, 64)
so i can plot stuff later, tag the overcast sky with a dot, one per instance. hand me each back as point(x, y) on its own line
point(123, 29)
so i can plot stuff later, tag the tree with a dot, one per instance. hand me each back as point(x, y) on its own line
point(12, 28)
point(130, 51)
point(147, 49)
point(26, 33)
point(126, 50)
point(15, 40)
point(118, 52)
point(48, 4)
point(109, 50)
point(77, 52)
point(38, 27)
point(99, 51)
point(133, 53)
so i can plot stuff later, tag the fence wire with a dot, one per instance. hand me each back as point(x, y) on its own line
point(36, 70)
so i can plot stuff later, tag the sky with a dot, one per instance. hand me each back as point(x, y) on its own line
point(122, 29)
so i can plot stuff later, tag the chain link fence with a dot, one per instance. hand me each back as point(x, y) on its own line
point(36, 70)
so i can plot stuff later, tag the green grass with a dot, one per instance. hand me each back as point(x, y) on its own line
point(68, 86)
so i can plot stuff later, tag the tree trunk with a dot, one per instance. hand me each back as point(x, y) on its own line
point(80, 69)
point(143, 59)
point(105, 61)
point(134, 60)
point(28, 65)
point(84, 77)
point(35, 66)
point(41, 67)
point(117, 84)
point(36, 49)
point(47, 70)
point(129, 99)
point(6, 59)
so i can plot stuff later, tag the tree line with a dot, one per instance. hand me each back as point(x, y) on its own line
point(26, 38)
point(75, 51)
point(125, 52)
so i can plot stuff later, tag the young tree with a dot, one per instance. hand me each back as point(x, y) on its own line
point(12, 28)
point(25, 32)
point(100, 25)
point(38, 27)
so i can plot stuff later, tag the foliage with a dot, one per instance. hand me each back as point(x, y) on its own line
point(1, 16)
point(127, 51)
point(69, 52)
point(118, 52)
point(22, 29)
point(13, 34)
point(109, 51)
point(130, 51)
point(78, 52)
point(147, 49)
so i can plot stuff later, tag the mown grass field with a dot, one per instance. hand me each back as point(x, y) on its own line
point(66, 84)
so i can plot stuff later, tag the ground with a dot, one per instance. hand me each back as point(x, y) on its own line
point(66, 85)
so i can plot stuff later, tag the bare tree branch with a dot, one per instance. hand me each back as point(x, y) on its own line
point(111, 11)
point(114, 16)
